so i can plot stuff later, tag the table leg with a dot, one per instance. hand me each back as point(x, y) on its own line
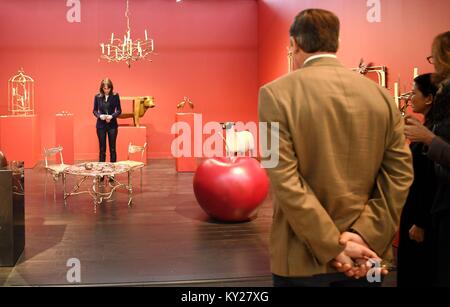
point(75, 189)
point(96, 191)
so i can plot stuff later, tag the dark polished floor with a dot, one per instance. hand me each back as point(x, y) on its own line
point(164, 239)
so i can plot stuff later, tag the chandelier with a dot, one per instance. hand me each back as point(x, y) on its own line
point(127, 50)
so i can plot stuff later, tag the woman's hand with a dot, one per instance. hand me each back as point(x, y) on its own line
point(416, 234)
point(103, 117)
point(108, 118)
point(416, 132)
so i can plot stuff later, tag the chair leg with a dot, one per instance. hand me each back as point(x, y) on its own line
point(55, 179)
point(141, 178)
point(45, 185)
point(64, 187)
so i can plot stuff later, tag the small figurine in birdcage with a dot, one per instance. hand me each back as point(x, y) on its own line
point(21, 94)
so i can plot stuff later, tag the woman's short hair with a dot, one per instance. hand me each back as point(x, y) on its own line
point(441, 54)
point(108, 83)
point(316, 30)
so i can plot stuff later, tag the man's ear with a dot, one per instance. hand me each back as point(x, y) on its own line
point(293, 45)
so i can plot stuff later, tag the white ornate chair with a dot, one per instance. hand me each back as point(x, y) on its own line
point(56, 170)
point(134, 165)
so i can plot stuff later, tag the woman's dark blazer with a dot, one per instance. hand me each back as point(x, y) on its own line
point(110, 107)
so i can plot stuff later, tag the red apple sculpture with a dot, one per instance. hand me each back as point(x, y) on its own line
point(230, 189)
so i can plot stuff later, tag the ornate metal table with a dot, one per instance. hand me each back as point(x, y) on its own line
point(95, 171)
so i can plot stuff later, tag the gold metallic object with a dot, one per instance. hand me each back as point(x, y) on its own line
point(17, 168)
point(184, 101)
point(127, 50)
point(56, 170)
point(384, 264)
point(21, 94)
point(135, 165)
point(140, 105)
point(3, 161)
point(406, 98)
point(365, 69)
point(388, 265)
point(98, 170)
point(290, 57)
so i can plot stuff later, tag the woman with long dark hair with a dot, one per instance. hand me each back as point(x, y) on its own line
point(106, 110)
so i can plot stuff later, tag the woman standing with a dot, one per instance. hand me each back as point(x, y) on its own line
point(106, 110)
point(439, 148)
point(440, 123)
point(415, 222)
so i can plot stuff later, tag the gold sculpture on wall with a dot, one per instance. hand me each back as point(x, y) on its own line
point(365, 69)
point(140, 105)
point(403, 99)
point(21, 94)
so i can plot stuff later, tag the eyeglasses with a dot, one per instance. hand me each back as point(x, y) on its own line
point(430, 59)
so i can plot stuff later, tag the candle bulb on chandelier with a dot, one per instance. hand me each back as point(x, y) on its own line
point(146, 37)
point(109, 49)
point(112, 38)
point(416, 72)
point(103, 48)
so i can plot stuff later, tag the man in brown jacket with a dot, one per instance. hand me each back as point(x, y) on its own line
point(344, 169)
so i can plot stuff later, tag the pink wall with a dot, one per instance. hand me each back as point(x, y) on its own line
point(207, 50)
point(217, 52)
point(401, 41)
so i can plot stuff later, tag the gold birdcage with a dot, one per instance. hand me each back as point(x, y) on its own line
point(21, 94)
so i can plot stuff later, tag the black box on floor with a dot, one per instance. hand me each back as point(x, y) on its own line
point(12, 213)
